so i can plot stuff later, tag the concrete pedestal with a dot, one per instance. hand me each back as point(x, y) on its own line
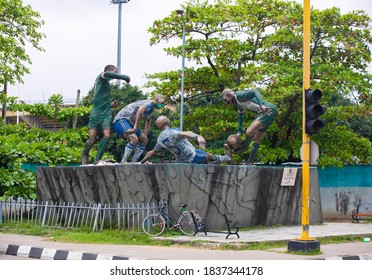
point(303, 245)
point(252, 195)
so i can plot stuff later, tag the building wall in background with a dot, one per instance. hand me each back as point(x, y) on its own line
point(341, 189)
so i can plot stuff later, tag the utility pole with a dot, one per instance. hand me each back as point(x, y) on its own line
point(118, 64)
point(181, 13)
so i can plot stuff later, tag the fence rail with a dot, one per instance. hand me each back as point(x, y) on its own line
point(127, 216)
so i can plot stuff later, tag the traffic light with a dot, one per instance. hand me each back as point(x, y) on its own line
point(313, 111)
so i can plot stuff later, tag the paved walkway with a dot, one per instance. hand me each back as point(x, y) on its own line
point(40, 248)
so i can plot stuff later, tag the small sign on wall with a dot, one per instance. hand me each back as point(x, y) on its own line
point(289, 177)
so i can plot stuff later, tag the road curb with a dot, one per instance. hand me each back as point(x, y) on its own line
point(352, 257)
point(54, 254)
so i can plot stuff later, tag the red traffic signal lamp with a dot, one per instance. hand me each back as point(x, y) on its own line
point(313, 110)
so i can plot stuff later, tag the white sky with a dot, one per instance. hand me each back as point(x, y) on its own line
point(81, 38)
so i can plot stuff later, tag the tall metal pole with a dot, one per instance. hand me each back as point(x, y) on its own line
point(305, 137)
point(305, 243)
point(183, 75)
point(181, 12)
point(118, 63)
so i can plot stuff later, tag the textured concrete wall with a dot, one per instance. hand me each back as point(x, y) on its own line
point(338, 203)
point(341, 190)
point(252, 195)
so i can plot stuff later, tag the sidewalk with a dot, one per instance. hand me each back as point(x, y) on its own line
point(39, 248)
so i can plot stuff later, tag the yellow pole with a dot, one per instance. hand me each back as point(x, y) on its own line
point(305, 138)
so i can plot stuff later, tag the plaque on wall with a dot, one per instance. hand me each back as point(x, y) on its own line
point(289, 177)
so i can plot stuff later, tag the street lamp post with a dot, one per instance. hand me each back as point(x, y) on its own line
point(181, 13)
point(118, 65)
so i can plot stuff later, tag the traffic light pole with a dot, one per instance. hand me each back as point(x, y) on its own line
point(305, 137)
point(305, 242)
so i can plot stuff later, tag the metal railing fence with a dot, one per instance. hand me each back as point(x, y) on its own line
point(128, 216)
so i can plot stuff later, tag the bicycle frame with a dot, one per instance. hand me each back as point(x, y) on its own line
point(169, 219)
point(188, 221)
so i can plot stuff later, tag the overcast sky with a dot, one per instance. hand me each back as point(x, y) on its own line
point(81, 38)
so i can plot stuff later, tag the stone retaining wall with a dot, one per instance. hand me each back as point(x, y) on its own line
point(250, 194)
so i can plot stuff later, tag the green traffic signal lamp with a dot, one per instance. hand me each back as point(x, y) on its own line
point(313, 110)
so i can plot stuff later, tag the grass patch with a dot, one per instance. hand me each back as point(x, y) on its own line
point(25, 228)
point(119, 237)
point(263, 246)
point(108, 236)
point(340, 239)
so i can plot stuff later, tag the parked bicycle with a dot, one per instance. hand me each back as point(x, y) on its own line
point(188, 221)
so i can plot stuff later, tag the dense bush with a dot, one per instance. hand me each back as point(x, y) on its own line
point(21, 145)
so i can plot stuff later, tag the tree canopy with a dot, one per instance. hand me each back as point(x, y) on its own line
point(247, 43)
point(19, 27)
point(243, 44)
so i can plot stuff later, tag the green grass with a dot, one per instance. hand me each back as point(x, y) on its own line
point(25, 228)
point(107, 236)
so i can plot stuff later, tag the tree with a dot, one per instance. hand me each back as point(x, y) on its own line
point(19, 26)
point(247, 43)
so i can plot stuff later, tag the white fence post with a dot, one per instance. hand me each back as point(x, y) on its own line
point(96, 218)
point(44, 216)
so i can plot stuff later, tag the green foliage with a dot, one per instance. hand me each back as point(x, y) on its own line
point(243, 43)
point(52, 110)
point(19, 26)
point(339, 146)
point(362, 125)
point(16, 182)
point(236, 44)
point(21, 145)
point(56, 100)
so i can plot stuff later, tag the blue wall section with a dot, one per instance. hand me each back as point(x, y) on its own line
point(348, 176)
point(32, 166)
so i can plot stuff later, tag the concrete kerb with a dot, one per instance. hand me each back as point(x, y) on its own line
point(54, 254)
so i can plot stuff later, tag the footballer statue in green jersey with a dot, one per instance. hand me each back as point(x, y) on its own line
point(100, 118)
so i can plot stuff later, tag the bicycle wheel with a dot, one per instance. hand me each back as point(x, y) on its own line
point(153, 225)
point(186, 223)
